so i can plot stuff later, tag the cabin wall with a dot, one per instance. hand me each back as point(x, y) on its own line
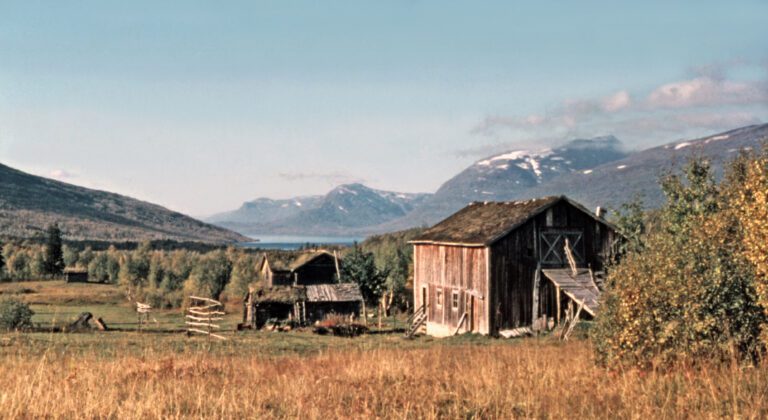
point(446, 269)
point(275, 278)
point(317, 311)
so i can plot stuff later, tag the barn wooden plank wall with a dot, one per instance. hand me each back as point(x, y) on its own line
point(447, 269)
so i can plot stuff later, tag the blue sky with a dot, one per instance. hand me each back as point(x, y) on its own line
point(200, 106)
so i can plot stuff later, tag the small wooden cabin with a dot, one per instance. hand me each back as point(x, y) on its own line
point(495, 266)
point(74, 275)
point(300, 288)
point(291, 268)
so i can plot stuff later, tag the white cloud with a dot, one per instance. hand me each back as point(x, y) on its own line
point(329, 177)
point(707, 102)
point(616, 102)
point(708, 91)
point(61, 174)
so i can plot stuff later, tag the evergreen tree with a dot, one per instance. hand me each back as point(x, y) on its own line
point(54, 255)
point(359, 266)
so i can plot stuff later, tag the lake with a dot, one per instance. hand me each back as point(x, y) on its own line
point(291, 242)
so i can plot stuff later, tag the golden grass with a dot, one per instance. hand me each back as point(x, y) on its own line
point(482, 378)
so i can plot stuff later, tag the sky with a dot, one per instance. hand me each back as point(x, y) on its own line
point(201, 105)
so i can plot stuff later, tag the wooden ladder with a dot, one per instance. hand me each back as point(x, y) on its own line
point(416, 321)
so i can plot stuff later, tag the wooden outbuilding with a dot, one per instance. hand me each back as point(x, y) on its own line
point(497, 266)
point(300, 288)
point(75, 275)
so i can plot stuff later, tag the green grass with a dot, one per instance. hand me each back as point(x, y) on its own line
point(164, 331)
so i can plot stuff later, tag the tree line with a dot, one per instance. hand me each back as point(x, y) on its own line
point(163, 278)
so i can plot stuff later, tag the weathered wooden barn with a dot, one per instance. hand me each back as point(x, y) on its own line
point(495, 266)
point(300, 289)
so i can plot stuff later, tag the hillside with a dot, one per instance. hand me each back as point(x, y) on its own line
point(29, 203)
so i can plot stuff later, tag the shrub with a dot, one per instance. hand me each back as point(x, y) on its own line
point(15, 315)
point(689, 292)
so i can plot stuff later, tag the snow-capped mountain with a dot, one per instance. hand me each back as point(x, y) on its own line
point(617, 182)
point(504, 176)
point(266, 210)
point(346, 207)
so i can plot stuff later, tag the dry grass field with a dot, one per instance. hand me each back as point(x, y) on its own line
point(297, 374)
point(127, 374)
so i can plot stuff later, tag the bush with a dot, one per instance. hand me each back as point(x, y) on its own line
point(689, 293)
point(15, 315)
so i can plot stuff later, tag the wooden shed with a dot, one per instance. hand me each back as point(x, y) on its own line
point(299, 288)
point(494, 266)
point(75, 275)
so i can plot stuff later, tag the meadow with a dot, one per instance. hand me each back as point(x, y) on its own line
point(252, 374)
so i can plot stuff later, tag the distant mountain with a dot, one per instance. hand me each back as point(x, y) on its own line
point(507, 175)
point(29, 203)
point(614, 183)
point(347, 209)
point(593, 171)
point(264, 211)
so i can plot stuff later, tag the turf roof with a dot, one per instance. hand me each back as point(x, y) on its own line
point(482, 223)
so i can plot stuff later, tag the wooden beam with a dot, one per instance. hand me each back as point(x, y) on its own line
point(557, 299)
point(461, 321)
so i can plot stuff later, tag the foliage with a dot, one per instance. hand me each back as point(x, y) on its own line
point(15, 315)
point(751, 206)
point(54, 256)
point(394, 254)
point(243, 275)
point(631, 224)
point(210, 275)
point(689, 292)
point(70, 256)
point(360, 267)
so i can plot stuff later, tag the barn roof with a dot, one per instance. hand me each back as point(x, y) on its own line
point(341, 292)
point(290, 261)
point(279, 294)
point(483, 223)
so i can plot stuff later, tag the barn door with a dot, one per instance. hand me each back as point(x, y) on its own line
point(553, 247)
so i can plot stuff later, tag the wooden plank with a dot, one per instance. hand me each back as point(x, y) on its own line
point(199, 318)
point(202, 324)
point(206, 299)
point(207, 333)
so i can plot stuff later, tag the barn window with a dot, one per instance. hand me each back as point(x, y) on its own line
point(439, 298)
point(553, 246)
point(455, 300)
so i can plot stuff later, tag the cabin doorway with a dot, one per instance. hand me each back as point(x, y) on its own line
point(424, 296)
